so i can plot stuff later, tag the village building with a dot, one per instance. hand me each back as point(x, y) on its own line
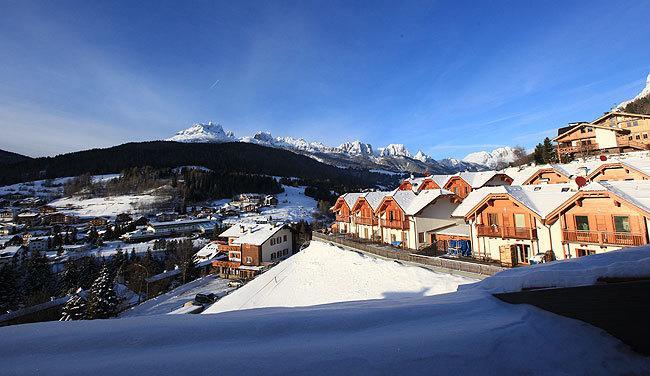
point(7, 215)
point(166, 217)
point(253, 247)
point(612, 133)
point(519, 224)
point(11, 253)
point(364, 215)
point(461, 183)
point(342, 210)
point(405, 217)
point(38, 243)
point(98, 222)
point(28, 218)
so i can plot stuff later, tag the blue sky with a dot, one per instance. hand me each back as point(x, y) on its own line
point(448, 77)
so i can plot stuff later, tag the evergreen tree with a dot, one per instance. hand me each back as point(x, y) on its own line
point(74, 309)
point(538, 154)
point(102, 300)
point(69, 277)
point(550, 156)
point(9, 287)
point(39, 280)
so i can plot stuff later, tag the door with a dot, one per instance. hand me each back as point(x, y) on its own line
point(523, 253)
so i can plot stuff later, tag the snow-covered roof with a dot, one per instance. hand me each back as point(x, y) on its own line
point(251, 233)
point(459, 229)
point(351, 198)
point(540, 199)
point(9, 251)
point(636, 192)
point(477, 179)
point(374, 198)
point(412, 202)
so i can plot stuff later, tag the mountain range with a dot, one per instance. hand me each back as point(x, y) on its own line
point(354, 154)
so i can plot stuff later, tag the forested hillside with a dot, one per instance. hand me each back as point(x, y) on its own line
point(7, 157)
point(231, 158)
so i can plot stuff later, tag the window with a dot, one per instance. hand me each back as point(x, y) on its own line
point(391, 216)
point(421, 237)
point(523, 252)
point(249, 259)
point(520, 220)
point(285, 252)
point(272, 255)
point(584, 252)
point(537, 189)
point(493, 219)
point(635, 124)
point(565, 189)
point(285, 238)
point(466, 190)
point(582, 223)
point(628, 124)
point(456, 190)
point(621, 223)
point(630, 138)
point(272, 241)
point(637, 136)
point(393, 239)
point(645, 135)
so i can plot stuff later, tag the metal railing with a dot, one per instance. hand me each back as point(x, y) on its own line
point(603, 237)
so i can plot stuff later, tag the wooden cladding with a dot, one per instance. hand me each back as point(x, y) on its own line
point(396, 224)
point(368, 221)
point(342, 218)
point(508, 232)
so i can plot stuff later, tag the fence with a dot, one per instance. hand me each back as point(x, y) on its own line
point(388, 252)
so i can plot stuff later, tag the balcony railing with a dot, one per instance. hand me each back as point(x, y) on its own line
point(400, 225)
point(368, 221)
point(507, 232)
point(577, 149)
point(603, 237)
point(342, 218)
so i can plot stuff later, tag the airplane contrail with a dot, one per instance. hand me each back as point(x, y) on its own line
point(214, 84)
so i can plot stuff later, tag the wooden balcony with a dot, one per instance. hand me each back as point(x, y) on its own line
point(507, 232)
point(577, 149)
point(400, 225)
point(603, 237)
point(632, 144)
point(342, 218)
point(368, 221)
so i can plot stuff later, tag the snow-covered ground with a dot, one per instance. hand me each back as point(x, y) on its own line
point(323, 274)
point(175, 298)
point(293, 206)
point(468, 332)
point(103, 206)
point(47, 188)
point(109, 248)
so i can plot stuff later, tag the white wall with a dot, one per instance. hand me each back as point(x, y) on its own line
point(605, 138)
point(267, 248)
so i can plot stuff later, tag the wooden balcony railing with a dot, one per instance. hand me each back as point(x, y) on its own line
point(368, 221)
point(400, 225)
point(342, 218)
point(631, 144)
point(603, 237)
point(577, 149)
point(507, 232)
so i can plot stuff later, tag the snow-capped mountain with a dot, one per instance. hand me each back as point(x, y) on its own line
point(643, 94)
point(497, 158)
point(201, 132)
point(394, 150)
point(352, 154)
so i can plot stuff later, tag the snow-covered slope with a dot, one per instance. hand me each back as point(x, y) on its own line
point(644, 93)
point(497, 158)
point(315, 276)
point(468, 332)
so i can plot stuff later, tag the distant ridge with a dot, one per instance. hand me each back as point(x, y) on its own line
point(8, 157)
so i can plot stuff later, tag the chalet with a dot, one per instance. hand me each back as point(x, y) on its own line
point(46, 209)
point(7, 215)
point(364, 215)
point(270, 200)
point(461, 183)
point(518, 224)
point(60, 218)
point(11, 254)
point(28, 218)
point(98, 222)
point(123, 218)
point(38, 243)
point(208, 252)
point(405, 217)
point(252, 247)
point(633, 169)
point(342, 210)
point(614, 132)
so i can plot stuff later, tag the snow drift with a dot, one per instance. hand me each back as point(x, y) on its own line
point(324, 273)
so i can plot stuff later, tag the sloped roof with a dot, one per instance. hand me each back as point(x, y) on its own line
point(258, 234)
point(351, 198)
point(412, 202)
point(374, 198)
point(540, 199)
point(636, 192)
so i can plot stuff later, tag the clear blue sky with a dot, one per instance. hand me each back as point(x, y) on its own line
point(448, 77)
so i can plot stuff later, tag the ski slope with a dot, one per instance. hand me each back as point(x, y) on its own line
point(323, 273)
point(293, 206)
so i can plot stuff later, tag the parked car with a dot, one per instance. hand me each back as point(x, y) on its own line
point(205, 298)
point(235, 284)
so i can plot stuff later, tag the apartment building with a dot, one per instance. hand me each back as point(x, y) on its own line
point(517, 224)
point(614, 132)
point(342, 210)
point(461, 183)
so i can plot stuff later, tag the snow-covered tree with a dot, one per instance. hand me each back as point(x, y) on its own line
point(74, 309)
point(102, 300)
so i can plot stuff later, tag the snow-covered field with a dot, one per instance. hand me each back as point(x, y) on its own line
point(175, 298)
point(468, 332)
point(293, 206)
point(47, 188)
point(110, 248)
point(103, 206)
point(323, 274)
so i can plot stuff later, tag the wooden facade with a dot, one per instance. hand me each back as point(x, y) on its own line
point(547, 176)
point(459, 186)
point(616, 171)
